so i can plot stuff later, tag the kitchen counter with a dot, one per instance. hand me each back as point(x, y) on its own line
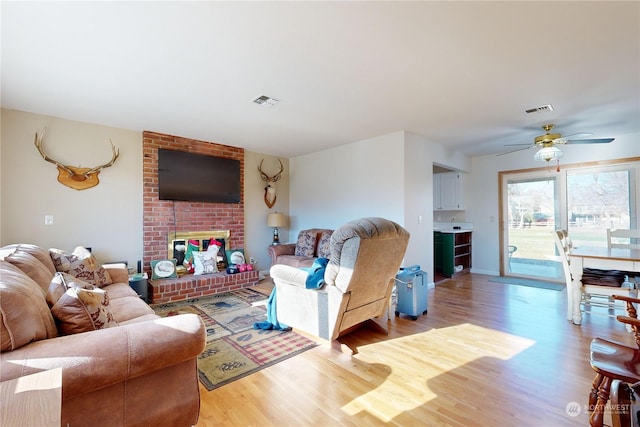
point(451, 230)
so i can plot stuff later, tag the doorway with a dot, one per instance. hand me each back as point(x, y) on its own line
point(531, 214)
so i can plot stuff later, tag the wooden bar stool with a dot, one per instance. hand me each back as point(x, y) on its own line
point(613, 361)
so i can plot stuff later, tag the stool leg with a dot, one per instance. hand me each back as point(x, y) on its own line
point(593, 395)
point(597, 417)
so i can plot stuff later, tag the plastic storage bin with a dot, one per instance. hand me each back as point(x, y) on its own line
point(411, 291)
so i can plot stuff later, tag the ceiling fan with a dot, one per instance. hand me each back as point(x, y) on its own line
point(547, 143)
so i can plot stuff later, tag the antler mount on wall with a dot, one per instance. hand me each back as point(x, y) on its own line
point(270, 190)
point(78, 178)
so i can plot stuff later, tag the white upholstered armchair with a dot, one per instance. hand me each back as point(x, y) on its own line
point(365, 257)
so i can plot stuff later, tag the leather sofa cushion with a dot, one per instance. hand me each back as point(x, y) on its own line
point(296, 261)
point(24, 314)
point(41, 254)
point(32, 267)
point(128, 308)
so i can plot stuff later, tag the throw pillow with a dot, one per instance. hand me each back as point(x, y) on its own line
point(306, 244)
point(83, 310)
point(235, 256)
point(206, 262)
point(324, 245)
point(61, 283)
point(81, 264)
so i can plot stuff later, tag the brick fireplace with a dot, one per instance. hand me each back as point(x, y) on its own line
point(162, 217)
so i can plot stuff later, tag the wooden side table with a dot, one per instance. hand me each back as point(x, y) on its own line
point(32, 400)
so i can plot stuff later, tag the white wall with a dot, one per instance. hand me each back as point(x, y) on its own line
point(257, 235)
point(421, 155)
point(361, 179)
point(418, 204)
point(107, 217)
point(388, 176)
point(482, 195)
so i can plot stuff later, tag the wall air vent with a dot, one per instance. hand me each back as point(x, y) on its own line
point(541, 109)
point(265, 101)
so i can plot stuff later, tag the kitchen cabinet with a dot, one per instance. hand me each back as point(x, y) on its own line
point(448, 191)
point(452, 252)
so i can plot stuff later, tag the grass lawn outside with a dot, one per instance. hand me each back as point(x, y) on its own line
point(536, 242)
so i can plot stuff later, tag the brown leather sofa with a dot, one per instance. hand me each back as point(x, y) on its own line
point(140, 372)
point(311, 244)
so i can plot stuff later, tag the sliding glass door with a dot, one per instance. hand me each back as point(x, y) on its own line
point(532, 207)
point(585, 200)
point(597, 200)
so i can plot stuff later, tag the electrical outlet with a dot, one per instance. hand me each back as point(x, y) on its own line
point(252, 260)
point(48, 220)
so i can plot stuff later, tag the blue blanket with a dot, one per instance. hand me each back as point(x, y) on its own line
point(315, 279)
point(272, 318)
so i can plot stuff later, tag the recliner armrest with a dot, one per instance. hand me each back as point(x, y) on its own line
point(289, 275)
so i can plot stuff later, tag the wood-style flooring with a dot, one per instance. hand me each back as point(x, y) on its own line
point(486, 354)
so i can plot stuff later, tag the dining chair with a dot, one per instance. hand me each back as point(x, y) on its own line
point(592, 295)
point(625, 239)
point(631, 238)
point(512, 250)
point(613, 361)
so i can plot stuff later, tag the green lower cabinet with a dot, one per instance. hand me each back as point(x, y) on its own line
point(452, 252)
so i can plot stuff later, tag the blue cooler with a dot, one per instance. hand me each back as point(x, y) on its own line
point(411, 291)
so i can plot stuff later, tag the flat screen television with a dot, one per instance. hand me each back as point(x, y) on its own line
point(197, 178)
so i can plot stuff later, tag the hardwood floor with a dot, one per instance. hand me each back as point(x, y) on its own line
point(486, 354)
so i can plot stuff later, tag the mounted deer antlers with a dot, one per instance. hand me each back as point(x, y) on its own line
point(76, 177)
point(270, 191)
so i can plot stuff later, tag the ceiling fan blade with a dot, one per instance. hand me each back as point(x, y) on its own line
point(513, 151)
point(576, 135)
point(589, 141)
point(514, 145)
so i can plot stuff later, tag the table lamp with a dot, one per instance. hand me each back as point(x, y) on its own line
point(276, 220)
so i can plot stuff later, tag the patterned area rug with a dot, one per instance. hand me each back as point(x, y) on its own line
point(234, 349)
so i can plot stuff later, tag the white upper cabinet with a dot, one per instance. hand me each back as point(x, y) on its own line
point(448, 191)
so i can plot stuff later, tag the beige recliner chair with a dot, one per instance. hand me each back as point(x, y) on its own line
point(365, 257)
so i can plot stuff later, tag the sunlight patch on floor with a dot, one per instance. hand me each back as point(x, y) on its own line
point(407, 387)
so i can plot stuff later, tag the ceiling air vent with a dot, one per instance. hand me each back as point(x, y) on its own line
point(541, 109)
point(265, 101)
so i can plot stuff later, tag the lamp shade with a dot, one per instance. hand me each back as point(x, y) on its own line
point(277, 219)
point(546, 154)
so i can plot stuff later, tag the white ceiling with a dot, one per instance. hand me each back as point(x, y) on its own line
point(461, 74)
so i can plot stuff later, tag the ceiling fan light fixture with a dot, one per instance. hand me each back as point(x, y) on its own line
point(547, 154)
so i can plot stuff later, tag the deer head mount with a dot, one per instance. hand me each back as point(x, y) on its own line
point(270, 191)
point(77, 178)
